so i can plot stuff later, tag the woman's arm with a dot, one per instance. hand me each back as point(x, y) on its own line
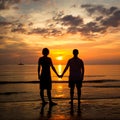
point(53, 68)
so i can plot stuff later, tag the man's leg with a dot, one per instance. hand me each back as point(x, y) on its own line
point(71, 94)
point(79, 94)
point(71, 86)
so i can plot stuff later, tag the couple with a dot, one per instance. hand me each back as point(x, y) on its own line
point(76, 66)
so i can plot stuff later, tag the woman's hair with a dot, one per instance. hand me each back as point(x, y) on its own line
point(45, 51)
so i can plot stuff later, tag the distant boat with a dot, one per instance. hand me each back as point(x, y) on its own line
point(20, 63)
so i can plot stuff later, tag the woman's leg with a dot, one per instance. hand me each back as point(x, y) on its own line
point(42, 95)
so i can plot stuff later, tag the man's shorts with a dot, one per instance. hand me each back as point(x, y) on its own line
point(73, 83)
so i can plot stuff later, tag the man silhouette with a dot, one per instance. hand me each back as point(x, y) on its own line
point(44, 75)
point(76, 75)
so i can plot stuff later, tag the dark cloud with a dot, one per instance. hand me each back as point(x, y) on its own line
point(73, 30)
point(74, 6)
point(91, 9)
point(92, 27)
point(4, 22)
point(112, 9)
point(19, 28)
point(58, 15)
point(46, 31)
point(87, 29)
point(75, 24)
point(103, 19)
point(108, 17)
point(7, 26)
point(99, 18)
point(30, 24)
point(6, 4)
point(71, 20)
point(113, 20)
point(39, 31)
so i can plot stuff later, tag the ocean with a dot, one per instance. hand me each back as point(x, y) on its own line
point(19, 83)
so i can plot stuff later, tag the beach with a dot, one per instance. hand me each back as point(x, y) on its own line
point(20, 99)
point(101, 109)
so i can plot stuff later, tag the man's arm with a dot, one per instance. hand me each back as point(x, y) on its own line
point(65, 69)
point(82, 70)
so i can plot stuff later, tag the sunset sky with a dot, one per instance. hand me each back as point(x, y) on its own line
point(92, 26)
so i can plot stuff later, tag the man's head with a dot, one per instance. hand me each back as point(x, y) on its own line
point(75, 52)
point(45, 51)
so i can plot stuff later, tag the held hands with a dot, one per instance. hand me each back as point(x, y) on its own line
point(60, 76)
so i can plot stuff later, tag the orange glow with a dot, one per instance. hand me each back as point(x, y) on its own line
point(59, 69)
point(59, 87)
point(60, 31)
point(59, 58)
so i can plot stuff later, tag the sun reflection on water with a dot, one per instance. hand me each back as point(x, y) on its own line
point(59, 89)
point(59, 67)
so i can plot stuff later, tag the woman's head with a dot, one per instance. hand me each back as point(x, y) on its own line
point(45, 51)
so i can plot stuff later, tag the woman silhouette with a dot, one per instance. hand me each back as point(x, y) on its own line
point(44, 75)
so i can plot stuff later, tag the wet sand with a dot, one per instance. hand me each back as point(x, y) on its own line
point(95, 109)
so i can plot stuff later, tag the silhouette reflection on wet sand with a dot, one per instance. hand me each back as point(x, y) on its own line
point(42, 111)
point(47, 112)
point(72, 112)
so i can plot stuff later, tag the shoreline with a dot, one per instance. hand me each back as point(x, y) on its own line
point(59, 81)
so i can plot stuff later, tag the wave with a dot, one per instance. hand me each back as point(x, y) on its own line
point(11, 93)
point(104, 86)
point(56, 81)
point(61, 99)
point(95, 75)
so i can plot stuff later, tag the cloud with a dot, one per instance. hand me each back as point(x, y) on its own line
point(92, 9)
point(92, 27)
point(71, 20)
point(75, 24)
point(7, 26)
point(19, 28)
point(113, 20)
point(3, 21)
point(107, 17)
point(60, 20)
point(46, 32)
point(6, 4)
point(103, 18)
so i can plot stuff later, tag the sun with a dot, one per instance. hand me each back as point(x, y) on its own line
point(59, 58)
